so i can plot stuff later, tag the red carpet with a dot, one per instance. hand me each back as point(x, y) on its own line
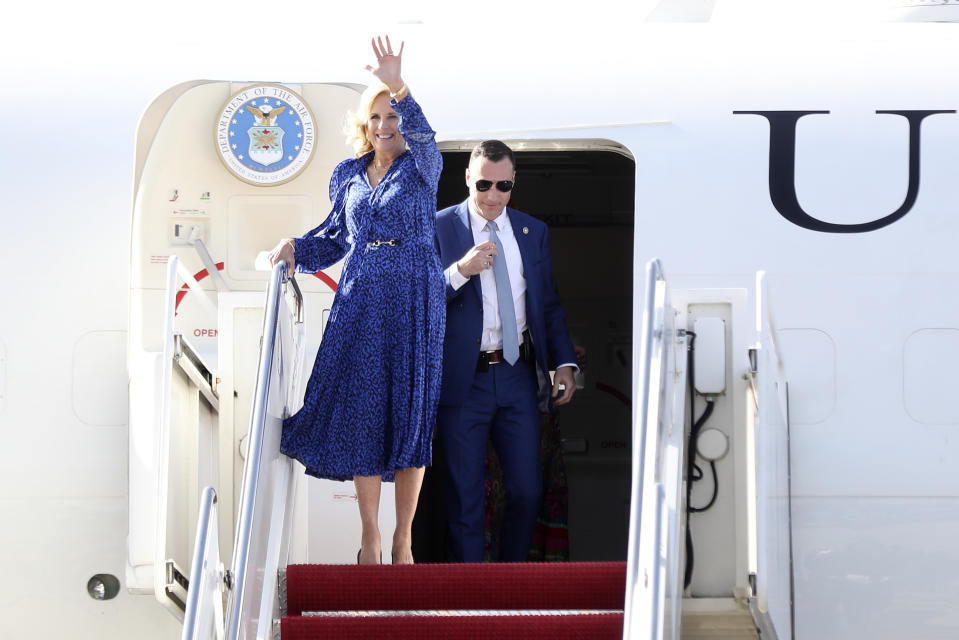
point(549, 585)
point(458, 588)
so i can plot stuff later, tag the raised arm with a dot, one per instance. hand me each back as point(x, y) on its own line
point(414, 128)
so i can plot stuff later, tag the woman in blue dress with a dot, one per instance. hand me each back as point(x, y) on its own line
point(370, 403)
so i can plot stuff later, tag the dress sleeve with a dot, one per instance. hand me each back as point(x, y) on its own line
point(328, 243)
point(420, 138)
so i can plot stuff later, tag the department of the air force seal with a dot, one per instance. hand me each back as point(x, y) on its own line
point(265, 134)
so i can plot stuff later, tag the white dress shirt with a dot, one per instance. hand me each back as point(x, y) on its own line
point(492, 338)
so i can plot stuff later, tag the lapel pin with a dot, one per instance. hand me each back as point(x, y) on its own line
point(526, 231)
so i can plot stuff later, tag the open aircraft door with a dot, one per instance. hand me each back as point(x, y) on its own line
point(771, 553)
point(223, 171)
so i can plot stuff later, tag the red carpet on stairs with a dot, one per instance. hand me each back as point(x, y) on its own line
point(580, 627)
point(551, 585)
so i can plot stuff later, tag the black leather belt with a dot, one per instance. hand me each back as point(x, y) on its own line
point(486, 358)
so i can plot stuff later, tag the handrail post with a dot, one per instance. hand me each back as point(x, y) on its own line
point(247, 506)
point(162, 441)
point(654, 273)
point(206, 527)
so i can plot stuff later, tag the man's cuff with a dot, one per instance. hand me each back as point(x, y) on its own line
point(568, 364)
point(454, 278)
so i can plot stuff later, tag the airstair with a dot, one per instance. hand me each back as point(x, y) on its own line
point(661, 598)
point(260, 595)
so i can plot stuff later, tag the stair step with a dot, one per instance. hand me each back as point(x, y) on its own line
point(461, 613)
point(470, 586)
point(730, 624)
point(577, 627)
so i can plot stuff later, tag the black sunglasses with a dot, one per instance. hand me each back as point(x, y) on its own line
point(503, 185)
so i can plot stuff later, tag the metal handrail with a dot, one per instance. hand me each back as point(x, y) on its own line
point(654, 273)
point(298, 296)
point(202, 295)
point(241, 547)
point(206, 528)
point(162, 443)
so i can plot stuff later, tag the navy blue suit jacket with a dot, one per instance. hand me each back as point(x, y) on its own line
point(464, 307)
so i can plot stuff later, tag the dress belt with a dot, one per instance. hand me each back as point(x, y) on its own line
point(492, 357)
point(389, 242)
point(486, 358)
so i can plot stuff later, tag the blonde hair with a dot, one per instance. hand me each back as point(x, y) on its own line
point(355, 127)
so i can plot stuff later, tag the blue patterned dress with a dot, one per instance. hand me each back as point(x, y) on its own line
point(370, 404)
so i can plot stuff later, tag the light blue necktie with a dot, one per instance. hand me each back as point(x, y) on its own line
point(504, 297)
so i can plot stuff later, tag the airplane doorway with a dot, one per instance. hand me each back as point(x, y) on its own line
point(585, 192)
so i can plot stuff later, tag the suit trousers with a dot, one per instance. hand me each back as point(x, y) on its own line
point(502, 406)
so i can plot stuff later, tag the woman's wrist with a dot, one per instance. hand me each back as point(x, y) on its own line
point(400, 93)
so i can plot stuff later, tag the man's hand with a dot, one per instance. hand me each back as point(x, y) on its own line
point(477, 259)
point(564, 376)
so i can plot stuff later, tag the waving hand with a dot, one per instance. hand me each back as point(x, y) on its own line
point(388, 64)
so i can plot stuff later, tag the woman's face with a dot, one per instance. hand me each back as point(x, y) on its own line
point(382, 128)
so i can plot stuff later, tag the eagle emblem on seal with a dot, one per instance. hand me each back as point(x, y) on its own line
point(266, 139)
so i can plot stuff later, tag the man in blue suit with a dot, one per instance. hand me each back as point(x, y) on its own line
point(505, 330)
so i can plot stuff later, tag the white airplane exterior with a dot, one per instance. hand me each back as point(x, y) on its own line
point(794, 185)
